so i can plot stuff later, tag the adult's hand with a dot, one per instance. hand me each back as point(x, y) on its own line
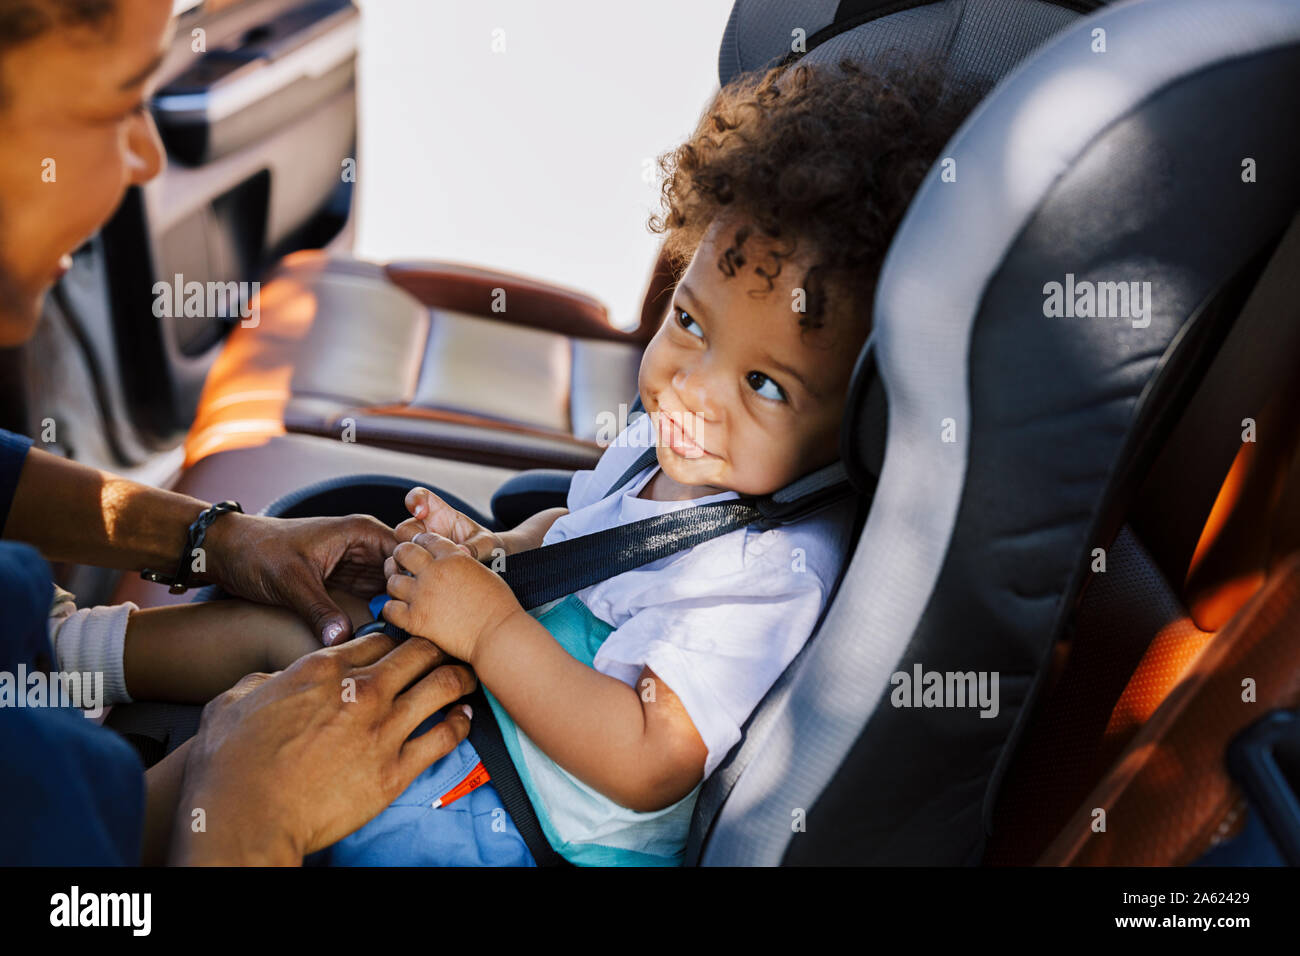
point(287, 561)
point(287, 764)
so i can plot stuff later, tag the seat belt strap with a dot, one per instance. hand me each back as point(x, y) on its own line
point(556, 570)
point(643, 461)
point(543, 574)
point(485, 737)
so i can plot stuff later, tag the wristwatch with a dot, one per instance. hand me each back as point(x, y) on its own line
point(178, 583)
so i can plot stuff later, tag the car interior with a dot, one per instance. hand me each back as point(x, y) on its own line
point(1104, 513)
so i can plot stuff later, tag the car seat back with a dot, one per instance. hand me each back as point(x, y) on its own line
point(1020, 415)
point(977, 41)
point(1215, 526)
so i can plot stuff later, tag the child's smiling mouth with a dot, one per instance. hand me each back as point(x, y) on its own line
point(675, 438)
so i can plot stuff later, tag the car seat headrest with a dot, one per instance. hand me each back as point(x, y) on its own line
point(977, 41)
point(1036, 319)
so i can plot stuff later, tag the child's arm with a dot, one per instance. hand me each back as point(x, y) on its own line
point(431, 513)
point(192, 652)
point(637, 747)
point(530, 532)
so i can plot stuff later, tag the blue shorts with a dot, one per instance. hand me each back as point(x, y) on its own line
point(474, 830)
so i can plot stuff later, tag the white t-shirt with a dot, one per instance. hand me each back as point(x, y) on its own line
point(718, 623)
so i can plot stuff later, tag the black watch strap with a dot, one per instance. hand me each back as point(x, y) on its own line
point(178, 583)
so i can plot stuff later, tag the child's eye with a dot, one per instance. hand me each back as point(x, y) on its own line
point(686, 322)
point(765, 386)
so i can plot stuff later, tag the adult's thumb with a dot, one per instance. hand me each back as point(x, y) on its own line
point(326, 619)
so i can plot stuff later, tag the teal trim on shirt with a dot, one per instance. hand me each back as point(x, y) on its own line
point(580, 633)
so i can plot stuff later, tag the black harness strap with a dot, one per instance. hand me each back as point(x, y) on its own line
point(544, 574)
point(485, 737)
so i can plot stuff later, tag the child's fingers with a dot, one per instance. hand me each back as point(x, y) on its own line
point(412, 556)
point(483, 544)
point(397, 613)
point(417, 502)
point(438, 546)
point(402, 587)
point(445, 520)
point(428, 507)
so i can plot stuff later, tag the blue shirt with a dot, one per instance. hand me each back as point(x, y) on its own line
point(13, 452)
point(73, 792)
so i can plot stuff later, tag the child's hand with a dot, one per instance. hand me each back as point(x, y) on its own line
point(430, 513)
point(446, 596)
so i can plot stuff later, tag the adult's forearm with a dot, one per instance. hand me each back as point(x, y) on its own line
point(595, 728)
point(71, 512)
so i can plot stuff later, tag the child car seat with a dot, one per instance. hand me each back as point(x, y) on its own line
point(1123, 151)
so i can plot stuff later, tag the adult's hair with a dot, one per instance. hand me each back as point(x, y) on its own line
point(22, 21)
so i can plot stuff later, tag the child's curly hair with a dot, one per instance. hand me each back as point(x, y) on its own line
point(818, 155)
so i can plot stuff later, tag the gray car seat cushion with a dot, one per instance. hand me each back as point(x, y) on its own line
point(1010, 153)
point(969, 36)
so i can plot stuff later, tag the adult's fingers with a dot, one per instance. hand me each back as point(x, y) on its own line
point(431, 693)
point(408, 529)
point(312, 603)
point(419, 753)
point(365, 650)
point(403, 664)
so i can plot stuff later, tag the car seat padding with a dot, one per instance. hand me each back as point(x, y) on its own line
point(975, 548)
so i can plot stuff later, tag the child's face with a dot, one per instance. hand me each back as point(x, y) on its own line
point(742, 398)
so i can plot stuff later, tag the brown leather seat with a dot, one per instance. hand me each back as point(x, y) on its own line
point(434, 358)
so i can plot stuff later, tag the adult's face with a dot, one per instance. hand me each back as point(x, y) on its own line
point(75, 132)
